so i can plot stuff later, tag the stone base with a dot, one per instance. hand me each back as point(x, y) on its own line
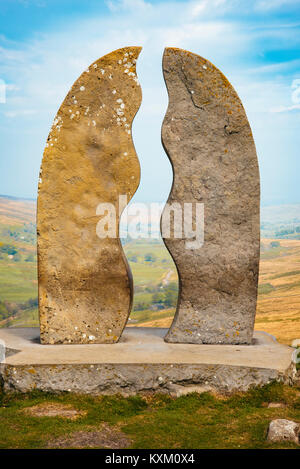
point(141, 362)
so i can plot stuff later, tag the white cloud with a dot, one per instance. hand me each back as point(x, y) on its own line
point(200, 8)
point(44, 67)
point(12, 87)
point(266, 5)
point(293, 107)
point(20, 112)
point(276, 68)
point(128, 5)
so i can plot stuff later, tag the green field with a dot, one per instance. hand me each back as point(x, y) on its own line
point(146, 421)
point(155, 280)
point(18, 281)
point(18, 270)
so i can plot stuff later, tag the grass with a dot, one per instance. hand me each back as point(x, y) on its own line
point(274, 252)
point(26, 318)
point(155, 421)
point(286, 274)
point(18, 281)
point(265, 288)
point(278, 306)
point(149, 315)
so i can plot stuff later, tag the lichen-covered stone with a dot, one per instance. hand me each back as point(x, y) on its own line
point(208, 139)
point(132, 378)
point(85, 286)
point(283, 430)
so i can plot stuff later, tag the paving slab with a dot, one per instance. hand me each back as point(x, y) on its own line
point(141, 361)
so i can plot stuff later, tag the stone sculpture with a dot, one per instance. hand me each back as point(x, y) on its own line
point(208, 139)
point(85, 284)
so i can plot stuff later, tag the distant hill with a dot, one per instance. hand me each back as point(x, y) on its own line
point(15, 211)
point(280, 213)
point(280, 221)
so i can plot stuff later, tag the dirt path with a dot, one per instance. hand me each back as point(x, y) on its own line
point(167, 276)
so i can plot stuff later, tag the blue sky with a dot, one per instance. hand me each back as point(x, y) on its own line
point(46, 44)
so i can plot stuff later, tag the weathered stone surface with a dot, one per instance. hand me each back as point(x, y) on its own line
point(85, 286)
point(142, 362)
point(284, 430)
point(208, 139)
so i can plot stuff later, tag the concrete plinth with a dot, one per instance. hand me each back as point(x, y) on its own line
point(141, 362)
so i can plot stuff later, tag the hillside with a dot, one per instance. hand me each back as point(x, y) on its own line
point(278, 306)
point(278, 309)
point(281, 221)
point(154, 273)
point(16, 212)
point(280, 213)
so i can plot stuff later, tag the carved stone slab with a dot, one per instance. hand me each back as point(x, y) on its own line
point(85, 285)
point(208, 139)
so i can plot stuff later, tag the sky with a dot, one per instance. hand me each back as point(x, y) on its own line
point(46, 44)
